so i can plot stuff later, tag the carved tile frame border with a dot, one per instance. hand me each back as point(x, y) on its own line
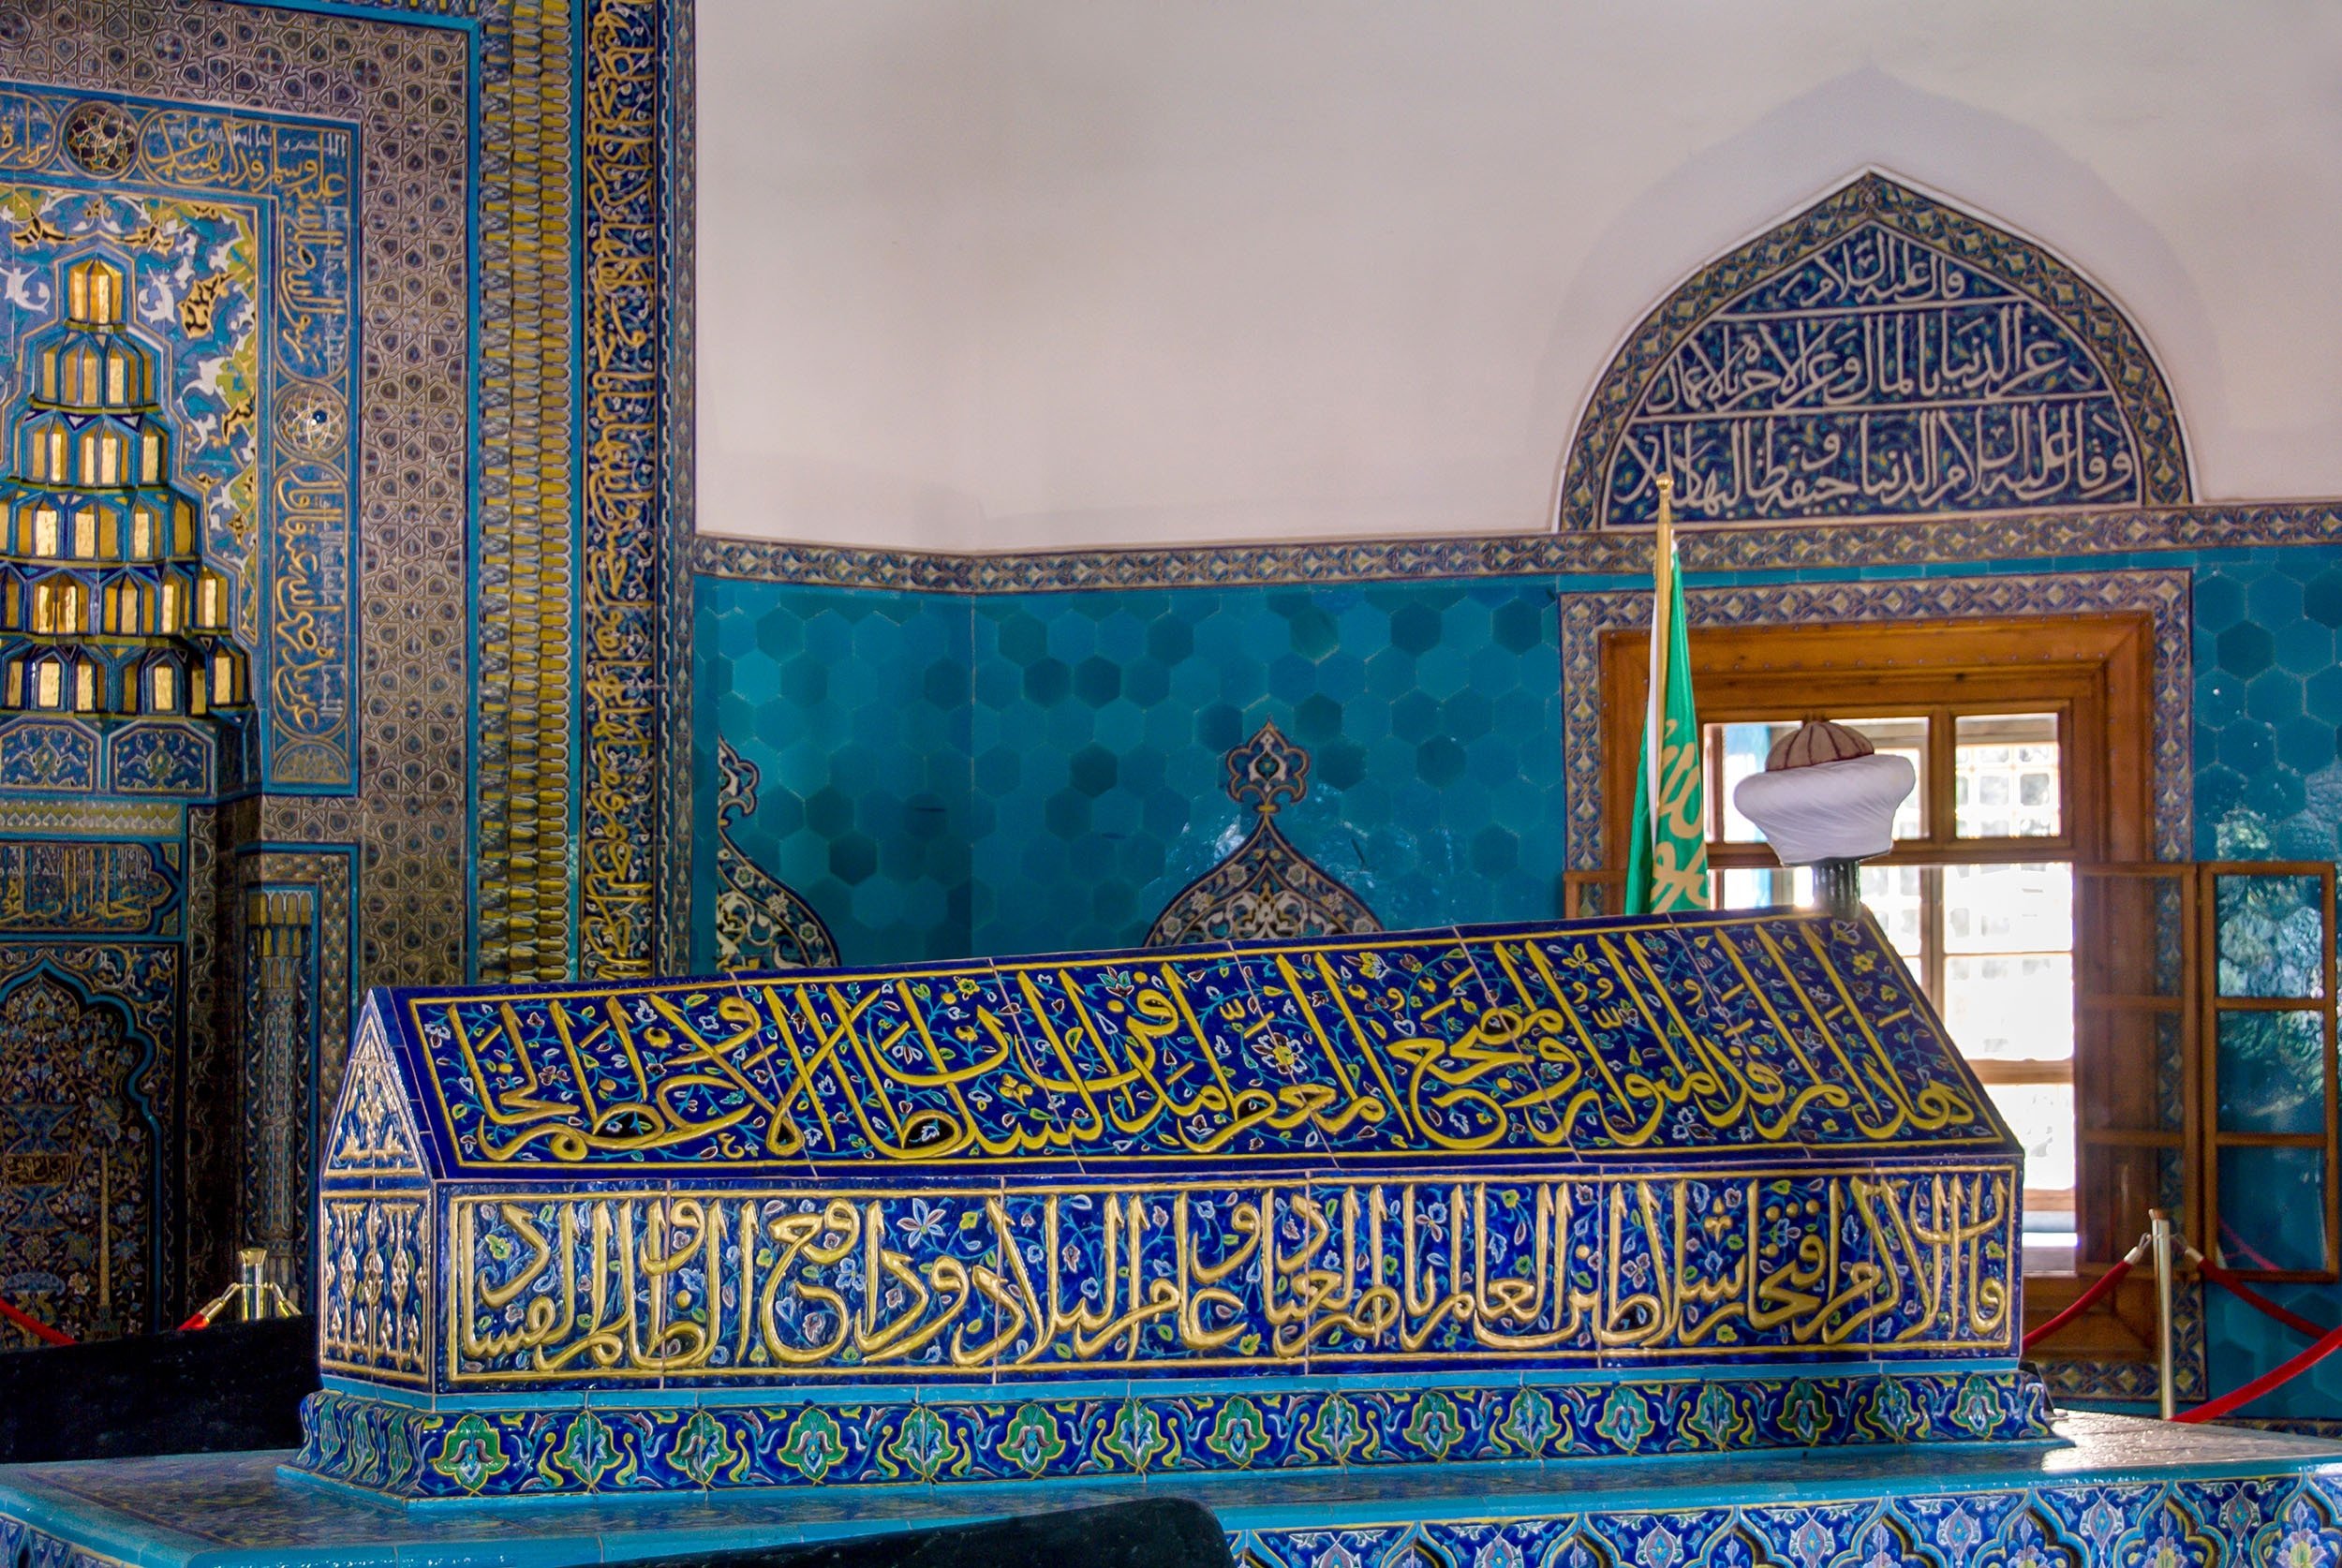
point(1754, 547)
point(584, 180)
point(328, 874)
point(2163, 595)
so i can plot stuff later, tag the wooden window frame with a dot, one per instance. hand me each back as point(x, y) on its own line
point(2211, 1005)
point(2097, 671)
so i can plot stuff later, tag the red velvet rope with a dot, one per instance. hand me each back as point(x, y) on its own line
point(2267, 1380)
point(2251, 1297)
point(2083, 1302)
point(33, 1325)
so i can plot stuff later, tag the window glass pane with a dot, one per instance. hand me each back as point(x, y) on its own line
point(2273, 1207)
point(1734, 752)
point(1770, 887)
point(2272, 936)
point(2042, 1118)
point(1737, 750)
point(1892, 894)
point(2015, 907)
point(2006, 779)
point(2011, 1006)
point(2273, 1075)
point(2008, 972)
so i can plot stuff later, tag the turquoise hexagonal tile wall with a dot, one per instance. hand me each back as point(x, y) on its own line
point(1017, 772)
point(2269, 705)
point(1431, 712)
point(852, 708)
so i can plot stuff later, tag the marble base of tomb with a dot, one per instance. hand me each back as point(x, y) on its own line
point(2115, 1490)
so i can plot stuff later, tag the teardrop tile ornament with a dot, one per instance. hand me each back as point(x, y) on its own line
point(762, 923)
point(1266, 887)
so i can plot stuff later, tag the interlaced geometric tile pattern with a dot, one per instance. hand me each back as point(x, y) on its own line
point(852, 707)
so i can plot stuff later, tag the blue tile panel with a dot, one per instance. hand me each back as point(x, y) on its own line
point(1829, 366)
point(915, 1287)
point(941, 775)
point(1431, 1165)
point(1751, 435)
point(409, 1452)
point(1525, 1145)
point(1659, 1042)
point(2195, 1523)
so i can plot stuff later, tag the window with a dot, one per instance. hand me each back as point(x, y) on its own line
point(2032, 742)
point(1976, 895)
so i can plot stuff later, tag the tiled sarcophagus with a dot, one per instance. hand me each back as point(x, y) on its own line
point(1597, 1187)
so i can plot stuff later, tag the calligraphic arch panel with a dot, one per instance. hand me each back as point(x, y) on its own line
point(1881, 354)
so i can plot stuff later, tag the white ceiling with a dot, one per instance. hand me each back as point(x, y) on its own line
point(981, 274)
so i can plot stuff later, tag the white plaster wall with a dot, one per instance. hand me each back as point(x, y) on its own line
point(980, 274)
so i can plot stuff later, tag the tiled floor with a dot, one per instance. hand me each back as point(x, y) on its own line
point(2117, 1487)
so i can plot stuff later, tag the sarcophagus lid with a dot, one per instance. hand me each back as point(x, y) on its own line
point(1465, 1166)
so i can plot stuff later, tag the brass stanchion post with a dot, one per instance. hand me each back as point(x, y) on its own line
point(252, 1281)
point(2166, 1378)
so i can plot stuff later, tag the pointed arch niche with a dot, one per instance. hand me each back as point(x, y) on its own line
point(1879, 354)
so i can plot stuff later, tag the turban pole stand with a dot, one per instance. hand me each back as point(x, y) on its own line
point(1838, 887)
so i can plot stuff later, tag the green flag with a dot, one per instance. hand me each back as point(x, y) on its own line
point(1666, 852)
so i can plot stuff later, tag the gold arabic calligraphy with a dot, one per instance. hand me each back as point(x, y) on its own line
point(1522, 1045)
point(729, 1284)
